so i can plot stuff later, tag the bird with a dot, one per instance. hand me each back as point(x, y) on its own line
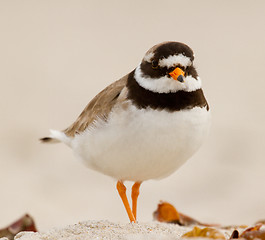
point(145, 125)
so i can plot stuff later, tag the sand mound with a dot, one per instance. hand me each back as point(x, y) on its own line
point(107, 230)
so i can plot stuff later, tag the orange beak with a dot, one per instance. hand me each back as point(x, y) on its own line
point(177, 74)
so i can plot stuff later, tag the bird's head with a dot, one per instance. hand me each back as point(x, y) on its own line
point(168, 67)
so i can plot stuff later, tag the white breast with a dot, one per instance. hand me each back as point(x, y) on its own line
point(144, 144)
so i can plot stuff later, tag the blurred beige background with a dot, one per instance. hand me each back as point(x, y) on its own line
point(56, 55)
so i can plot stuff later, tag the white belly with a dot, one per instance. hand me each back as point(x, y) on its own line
point(138, 145)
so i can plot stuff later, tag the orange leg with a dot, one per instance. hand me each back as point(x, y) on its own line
point(122, 191)
point(135, 194)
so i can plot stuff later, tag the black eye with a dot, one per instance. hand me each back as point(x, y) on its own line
point(154, 64)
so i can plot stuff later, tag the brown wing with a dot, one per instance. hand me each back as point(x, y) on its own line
point(99, 107)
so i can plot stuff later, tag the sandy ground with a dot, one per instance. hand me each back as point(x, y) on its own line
point(91, 230)
point(56, 55)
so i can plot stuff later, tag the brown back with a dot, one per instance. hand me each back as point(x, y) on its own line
point(99, 107)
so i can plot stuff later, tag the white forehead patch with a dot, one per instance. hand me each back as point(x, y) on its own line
point(149, 56)
point(166, 84)
point(173, 60)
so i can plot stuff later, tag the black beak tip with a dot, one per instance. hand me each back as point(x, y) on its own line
point(180, 78)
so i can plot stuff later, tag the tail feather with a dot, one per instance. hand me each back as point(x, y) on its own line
point(49, 140)
point(57, 136)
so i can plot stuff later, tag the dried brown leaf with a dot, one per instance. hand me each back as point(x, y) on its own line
point(251, 229)
point(253, 233)
point(205, 233)
point(25, 223)
point(259, 234)
point(166, 212)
